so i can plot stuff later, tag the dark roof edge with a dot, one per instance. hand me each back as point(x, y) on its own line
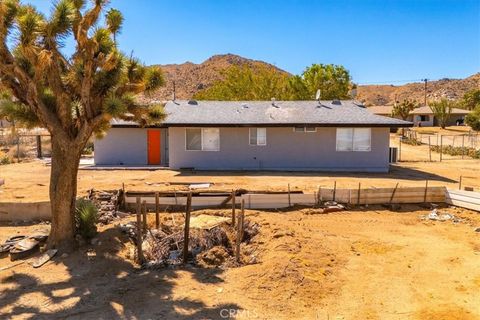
point(327, 125)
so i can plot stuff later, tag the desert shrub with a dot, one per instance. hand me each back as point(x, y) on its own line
point(458, 151)
point(88, 150)
point(412, 141)
point(86, 216)
point(473, 119)
point(17, 152)
point(4, 158)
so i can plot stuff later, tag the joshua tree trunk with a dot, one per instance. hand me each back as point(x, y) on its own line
point(63, 192)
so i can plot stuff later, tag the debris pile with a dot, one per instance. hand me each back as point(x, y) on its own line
point(21, 246)
point(107, 203)
point(207, 247)
point(433, 215)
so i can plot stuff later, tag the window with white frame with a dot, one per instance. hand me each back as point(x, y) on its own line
point(354, 139)
point(258, 136)
point(305, 129)
point(202, 139)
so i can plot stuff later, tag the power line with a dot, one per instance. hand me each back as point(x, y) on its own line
point(395, 81)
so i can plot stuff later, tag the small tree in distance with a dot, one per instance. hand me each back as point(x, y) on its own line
point(473, 119)
point(403, 109)
point(442, 110)
point(72, 97)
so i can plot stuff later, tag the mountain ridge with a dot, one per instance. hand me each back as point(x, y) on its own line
point(190, 78)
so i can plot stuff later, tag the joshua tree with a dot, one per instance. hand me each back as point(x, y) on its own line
point(442, 110)
point(72, 97)
point(403, 109)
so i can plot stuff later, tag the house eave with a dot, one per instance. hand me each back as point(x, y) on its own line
point(275, 125)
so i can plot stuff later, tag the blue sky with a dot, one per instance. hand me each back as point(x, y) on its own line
point(379, 41)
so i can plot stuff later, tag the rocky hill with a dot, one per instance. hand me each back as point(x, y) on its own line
point(190, 78)
point(444, 88)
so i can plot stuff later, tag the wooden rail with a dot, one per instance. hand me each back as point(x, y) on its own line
point(284, 200)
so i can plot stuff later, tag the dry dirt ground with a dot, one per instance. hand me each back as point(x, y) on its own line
point(366, 264)
point(29, 181)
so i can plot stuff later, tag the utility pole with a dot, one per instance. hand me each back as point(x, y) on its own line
point(425, 80)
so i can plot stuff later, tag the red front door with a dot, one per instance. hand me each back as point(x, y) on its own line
point(153, 146)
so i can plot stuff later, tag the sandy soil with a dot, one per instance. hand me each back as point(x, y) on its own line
point(373, 264)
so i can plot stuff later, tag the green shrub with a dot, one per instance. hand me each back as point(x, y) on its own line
point(473, 119)
point(86, 215)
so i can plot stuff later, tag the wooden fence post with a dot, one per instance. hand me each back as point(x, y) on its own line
point(460, 183)
point(144, 215)
point(358, 195)
point(334, 189)
point(393, 193)
point(426, 190)
point(239, 231)
point(400, 149)
point(441, 147)
point(39, 146)
point(289, 199)
point(234, 192)
point(186, 233)
point(429, 149)
point(140, 257)
point(157, 211)
point(463, 146)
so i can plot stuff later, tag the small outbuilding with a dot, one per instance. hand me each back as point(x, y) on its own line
point(255, 135)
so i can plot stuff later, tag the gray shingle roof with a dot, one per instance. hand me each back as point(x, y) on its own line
point(278, 113)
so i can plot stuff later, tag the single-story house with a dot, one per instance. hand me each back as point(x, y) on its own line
point(423, 116)
point(254, 135)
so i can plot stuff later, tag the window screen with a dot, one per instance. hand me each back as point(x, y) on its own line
point(354, 139)
point(193, 139)
point(211, 139)
point(344, 139)
point(206, 139)
point(258, 136)
point(361, 139)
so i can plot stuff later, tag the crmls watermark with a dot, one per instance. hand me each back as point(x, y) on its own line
point(238, 314)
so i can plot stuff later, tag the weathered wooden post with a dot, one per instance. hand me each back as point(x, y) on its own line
point(186, 233)
point(144, 216)
point(393, 194)
point(460, 183)
point(426, 190)
point(358, 195)
point(441, 147)
point(239, 231)
point(289, 198)
point(400, 149)
point(233, 206)
point(157, 211)
point(39, 146)
point(140, 256)
point(429, 149)
point(334, 189)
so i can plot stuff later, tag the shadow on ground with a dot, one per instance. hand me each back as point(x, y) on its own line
point(396, 172)
point(108, 287)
